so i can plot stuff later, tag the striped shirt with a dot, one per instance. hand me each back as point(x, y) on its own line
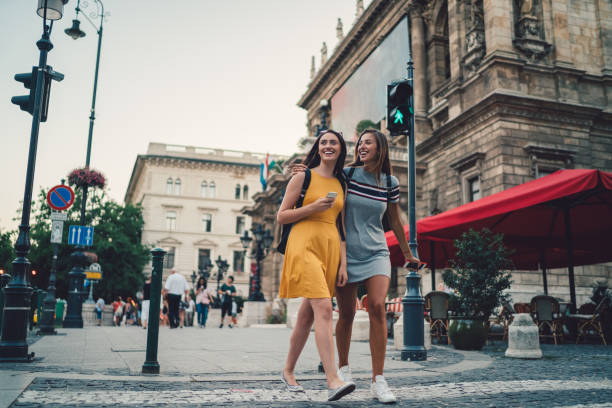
point(366, 203)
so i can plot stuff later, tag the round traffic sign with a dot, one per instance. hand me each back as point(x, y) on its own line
point(60, 197)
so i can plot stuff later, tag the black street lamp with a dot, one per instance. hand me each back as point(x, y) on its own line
point(205, 269)
point(222, 267)
point(323, 111)
point(193, 278)
point(13, 345)
point(76, 276)
point(263, 240)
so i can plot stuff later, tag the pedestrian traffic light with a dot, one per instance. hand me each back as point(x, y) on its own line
point(399, 107)
point(26, 102)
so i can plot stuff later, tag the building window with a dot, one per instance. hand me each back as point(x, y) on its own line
point(206, 222)
point(239, 261)
point(177, 186)
point(245, 192)
point(204, 187)
point(212, 188)
point(544, 171)
point(203, 257)
point(171, 220)
point(474, 188)
point(239, 225)
point(169, 186)
point(237, 193)
point(169, 258)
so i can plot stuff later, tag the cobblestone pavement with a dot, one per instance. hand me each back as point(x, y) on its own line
point(568, 376)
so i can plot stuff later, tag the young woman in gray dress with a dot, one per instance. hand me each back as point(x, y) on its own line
point(368, 197)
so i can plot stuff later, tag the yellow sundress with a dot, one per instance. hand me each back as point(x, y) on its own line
point(312, 256)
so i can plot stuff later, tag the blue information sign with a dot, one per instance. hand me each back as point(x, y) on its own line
point(80, 235)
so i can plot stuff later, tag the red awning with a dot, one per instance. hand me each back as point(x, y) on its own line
point(532, 216)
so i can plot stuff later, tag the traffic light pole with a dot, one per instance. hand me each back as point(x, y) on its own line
point(412, 301)
point(13, 344)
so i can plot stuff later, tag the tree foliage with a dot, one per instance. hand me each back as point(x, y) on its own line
point(365, 124)
point(480, 273)
point(7, 252)
point(117, 244)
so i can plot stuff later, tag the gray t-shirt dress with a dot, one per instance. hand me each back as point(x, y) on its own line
point(366, 247)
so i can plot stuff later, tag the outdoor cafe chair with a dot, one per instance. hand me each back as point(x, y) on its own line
point(545, 312)
point(504, 318)
point(588, 322)
point(436, 303)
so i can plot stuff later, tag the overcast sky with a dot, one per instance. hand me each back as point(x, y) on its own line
point(223, 74)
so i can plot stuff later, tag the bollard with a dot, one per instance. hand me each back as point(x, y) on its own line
point(413, 303)
point(4, 280)
point(151, 366)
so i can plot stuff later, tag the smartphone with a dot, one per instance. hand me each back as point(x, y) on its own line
point(414, 266)
point(332, 194)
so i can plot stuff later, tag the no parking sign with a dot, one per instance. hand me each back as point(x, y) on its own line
point(60, 197)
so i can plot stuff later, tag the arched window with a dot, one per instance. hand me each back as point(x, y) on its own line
point(177, 186)
point(169, 186)
point(204, 187)
point(237, 193)
point(212, 189)
point(245, 192)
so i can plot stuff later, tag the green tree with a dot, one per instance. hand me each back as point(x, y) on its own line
point(7, 252)
point(365, 124)
point(117, 244)
point(480, 273)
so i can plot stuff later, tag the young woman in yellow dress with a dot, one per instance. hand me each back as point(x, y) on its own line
point(315, 257)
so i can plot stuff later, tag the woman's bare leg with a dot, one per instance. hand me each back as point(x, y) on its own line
point(322, 309)
point(377, 287)
point(299, 336)
point(347, 302)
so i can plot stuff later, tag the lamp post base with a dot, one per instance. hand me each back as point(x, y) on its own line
point(150, 367)
point(414, 354)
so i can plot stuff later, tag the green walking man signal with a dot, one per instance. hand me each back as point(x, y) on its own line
point(399, 107)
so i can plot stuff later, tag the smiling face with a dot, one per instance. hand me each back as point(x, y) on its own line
point(367, 148)
point(329, 147)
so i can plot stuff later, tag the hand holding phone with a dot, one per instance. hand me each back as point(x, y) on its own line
point(414, 266)
point(332, 194)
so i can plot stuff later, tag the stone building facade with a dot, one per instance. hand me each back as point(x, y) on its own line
point(192, 199)
point(505, 91)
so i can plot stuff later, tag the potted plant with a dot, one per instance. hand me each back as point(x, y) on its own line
point(86, 177)
point(479, 277)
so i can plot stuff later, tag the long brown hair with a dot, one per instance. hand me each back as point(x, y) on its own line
point(313, 158)
point(383, 164)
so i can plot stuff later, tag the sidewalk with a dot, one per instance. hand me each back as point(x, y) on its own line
point(100, 366)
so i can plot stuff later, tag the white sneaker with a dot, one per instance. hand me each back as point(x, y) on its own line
point(345, 374)
point(381, 391)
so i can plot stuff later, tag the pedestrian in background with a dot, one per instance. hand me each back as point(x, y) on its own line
point(203, 299)
point(176, 285)
point(146, 301)
point(227, 293)
point(315, 257)
point(189, 311)
point(99, 309)
point(117, 311)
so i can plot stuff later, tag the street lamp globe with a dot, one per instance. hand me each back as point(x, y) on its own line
point(51, 9)
point(75, 31)
point(268, 238)
point(323, 103)
point(245, 239)
point(257, 232)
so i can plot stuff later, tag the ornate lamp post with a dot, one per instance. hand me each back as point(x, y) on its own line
point(205, 269)
point(193, 278)
point(222, 266)
point(13, 345)
point(263, 240)
point(323, 110)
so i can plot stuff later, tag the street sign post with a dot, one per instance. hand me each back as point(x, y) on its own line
point(94, 272)
point(80, 235)
point(60, 197)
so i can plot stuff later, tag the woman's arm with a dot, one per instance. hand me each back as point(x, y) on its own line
point(398, 230)
point(287, 214)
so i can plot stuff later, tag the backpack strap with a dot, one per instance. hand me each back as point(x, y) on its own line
point(388, 187)
point(305, 186)
point(350, 174)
